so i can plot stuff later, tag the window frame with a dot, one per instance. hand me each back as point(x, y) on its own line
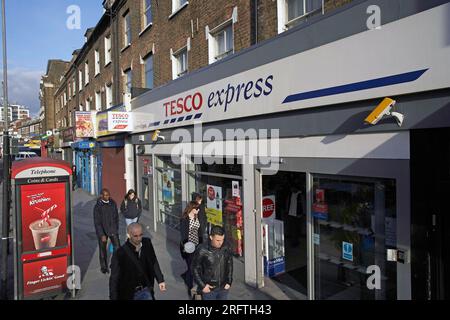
point(98, 98)
point(176, 56)
point(219, 56)
point(128, 82)
point(108, 50)
point(109, 95)
point(146, 71)
point(145, 11)
point(127, 29)
point(97, 65)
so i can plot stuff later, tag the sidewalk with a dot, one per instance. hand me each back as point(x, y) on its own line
point(95, 285)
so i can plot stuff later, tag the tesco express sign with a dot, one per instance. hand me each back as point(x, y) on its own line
point(221, 98)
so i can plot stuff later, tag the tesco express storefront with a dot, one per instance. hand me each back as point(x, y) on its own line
point(313, 200)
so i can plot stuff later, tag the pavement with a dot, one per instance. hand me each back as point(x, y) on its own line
point(95, 285)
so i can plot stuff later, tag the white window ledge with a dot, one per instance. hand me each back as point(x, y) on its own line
point(146, 28)
point(178, 10)
point(126, 47)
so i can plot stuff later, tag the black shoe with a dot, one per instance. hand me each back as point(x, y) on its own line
point(105, 270)
point(183, 276)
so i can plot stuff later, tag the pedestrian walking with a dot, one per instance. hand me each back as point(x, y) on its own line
point(74, 177)
point(131, 207)
point(212, 266)
point(205, 225)
point(134, 268)
point(191, 230)
point(106, 220)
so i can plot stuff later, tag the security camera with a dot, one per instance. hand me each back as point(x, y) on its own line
point(384, 109)
point(156, 137)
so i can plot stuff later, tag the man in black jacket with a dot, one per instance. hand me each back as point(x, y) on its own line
point(212, 266)
point(106, 220)
point(134, 268)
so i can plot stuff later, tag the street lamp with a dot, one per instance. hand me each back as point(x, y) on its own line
point(6, 165)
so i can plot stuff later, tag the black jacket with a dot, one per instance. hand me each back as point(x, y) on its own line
point(125, 276)
point(106, 218)
point(212, 266)
point(131, 209)
point(184, 231)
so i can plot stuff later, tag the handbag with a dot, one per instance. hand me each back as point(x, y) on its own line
point(140, 269)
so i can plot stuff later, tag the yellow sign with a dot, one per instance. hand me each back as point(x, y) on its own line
point(214, 216)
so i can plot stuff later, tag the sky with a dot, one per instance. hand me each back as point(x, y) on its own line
point(37, 31)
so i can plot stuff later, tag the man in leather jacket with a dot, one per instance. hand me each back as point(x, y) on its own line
point(212, 266)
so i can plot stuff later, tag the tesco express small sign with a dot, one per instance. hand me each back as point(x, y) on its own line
point(120, 121)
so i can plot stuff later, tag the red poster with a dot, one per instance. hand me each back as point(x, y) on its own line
point(43, 216)
point(44, 275)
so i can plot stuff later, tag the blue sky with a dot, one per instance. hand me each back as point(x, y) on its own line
point(36, 32)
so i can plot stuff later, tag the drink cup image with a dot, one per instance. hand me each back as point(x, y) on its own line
point(44, 234)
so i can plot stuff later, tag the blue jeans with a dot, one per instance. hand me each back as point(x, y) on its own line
point(219, 294)
point(144, 294)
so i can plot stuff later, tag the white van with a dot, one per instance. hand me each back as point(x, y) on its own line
point(25, 155)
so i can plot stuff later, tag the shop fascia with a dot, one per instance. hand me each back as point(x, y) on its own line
point(305, 80)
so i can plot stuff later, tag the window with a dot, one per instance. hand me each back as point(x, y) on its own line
point(98, 101)
point(148, 19)
point(177, 4)
point(148, 63)
point(223, 42)
point(297, 9)
point(80, 80)
point(127, 29)
point(86, 72)
point(88, 104)
point(180, 60)
point(65, 98)
point(97, 62)
point(128, 79)
point(74, 86)
point(69, 87)
point(109, 96)
point(107, 49)
point(80, 108)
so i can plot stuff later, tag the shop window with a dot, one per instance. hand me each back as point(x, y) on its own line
point(221, 188)
point(354, 226)
point(168, 180)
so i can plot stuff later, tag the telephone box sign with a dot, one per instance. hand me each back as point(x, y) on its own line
point(43, 226)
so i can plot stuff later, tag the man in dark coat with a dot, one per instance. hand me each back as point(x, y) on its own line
point(134, 268)
point(106, 220)
point(212, 266)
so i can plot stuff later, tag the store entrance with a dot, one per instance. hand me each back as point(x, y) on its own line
point(284, 222)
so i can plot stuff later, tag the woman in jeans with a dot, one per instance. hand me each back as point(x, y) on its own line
point(131, 207)
point(191, 229)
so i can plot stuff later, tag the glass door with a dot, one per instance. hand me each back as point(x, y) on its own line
point(354, 223)
point(284, 233)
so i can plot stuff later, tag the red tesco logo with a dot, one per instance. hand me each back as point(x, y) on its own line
point(268, 208)
point(184, 105)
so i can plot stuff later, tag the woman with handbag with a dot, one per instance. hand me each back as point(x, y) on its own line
point(191, 229)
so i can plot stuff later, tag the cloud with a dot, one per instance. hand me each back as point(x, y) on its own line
point(23, 87)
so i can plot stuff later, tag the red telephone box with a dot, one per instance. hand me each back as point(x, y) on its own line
point(43, 227)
